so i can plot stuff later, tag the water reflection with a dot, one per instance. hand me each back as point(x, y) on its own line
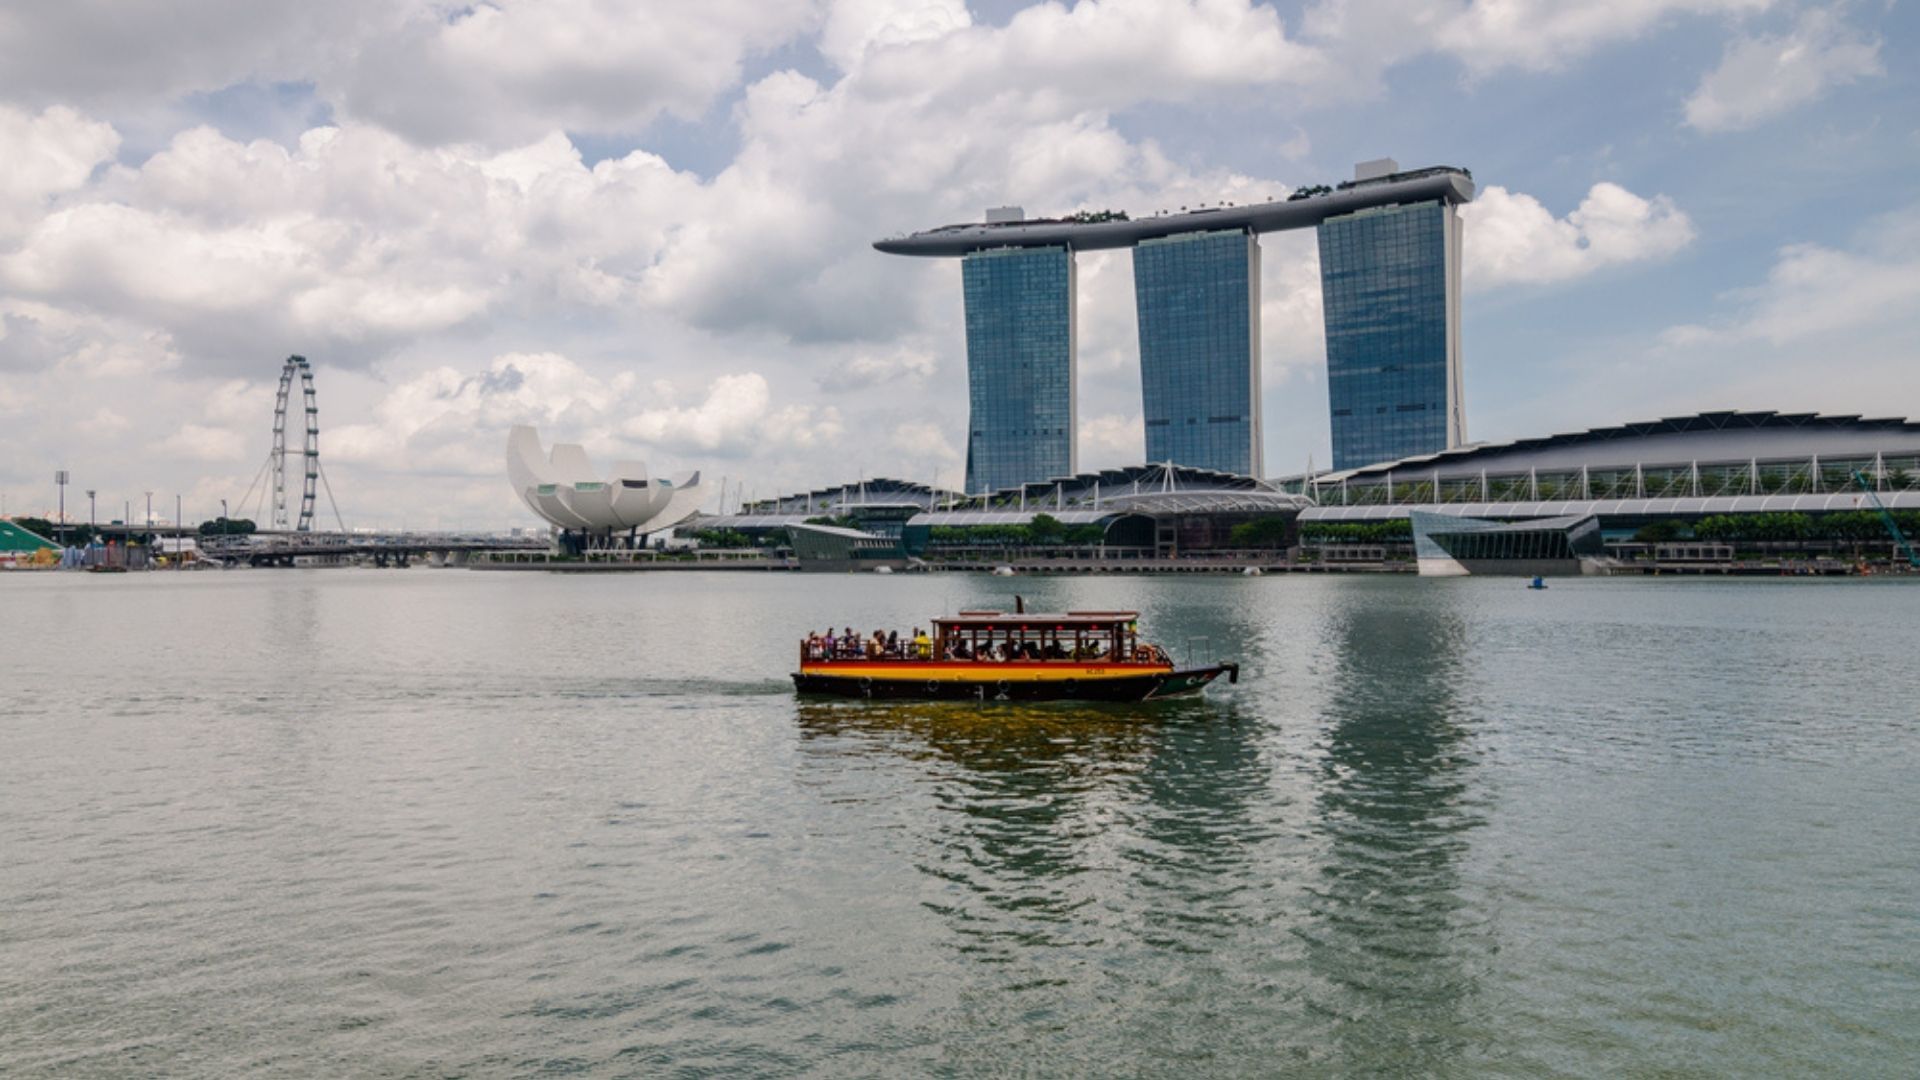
point(1388, 932)
point(1033, 741)
point(1003, 807)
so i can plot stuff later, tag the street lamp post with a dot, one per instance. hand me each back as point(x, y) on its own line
point(60, 478)
point(93, 528)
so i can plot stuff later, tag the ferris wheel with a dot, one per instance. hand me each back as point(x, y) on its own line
point(311, 474)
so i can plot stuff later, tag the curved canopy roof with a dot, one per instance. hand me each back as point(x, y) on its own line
point(1691, 506)
point(1209, 502)
point(1450, 184)
point(963, 518)
point(1709, 436)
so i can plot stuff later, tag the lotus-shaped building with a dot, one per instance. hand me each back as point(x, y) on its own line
point(562, 488)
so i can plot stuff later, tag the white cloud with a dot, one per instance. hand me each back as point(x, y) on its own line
point(198, 442)
point(453, 265)
point(104, 422)
point(865, 369)
point(1815, 293)
point(736, 416)
point(1100, 53)
point(922, 451)
point(1370, 36)
point(1111, 440)
point(511, 70)
point(1541, 34)
point(1512, 239)
point(447, 419)
point(855, 26)
point(97, 52)
point(347, 245)
point(1762, 77)
point(46, 155)
point(1292, 325)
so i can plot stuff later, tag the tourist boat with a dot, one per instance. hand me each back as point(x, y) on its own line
point(1002, 656)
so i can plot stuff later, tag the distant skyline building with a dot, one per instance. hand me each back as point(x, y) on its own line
point(1390, 292)
point(1390, 278)
point(1021, 331)
point(1198, 300)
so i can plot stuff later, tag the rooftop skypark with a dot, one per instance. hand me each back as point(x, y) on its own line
point(1106, 230)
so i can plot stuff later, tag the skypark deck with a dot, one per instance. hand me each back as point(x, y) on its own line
point(1452, 185)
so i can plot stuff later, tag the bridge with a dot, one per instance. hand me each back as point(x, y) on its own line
point(399, 549)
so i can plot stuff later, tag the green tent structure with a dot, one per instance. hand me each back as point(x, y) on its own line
point(16, 541)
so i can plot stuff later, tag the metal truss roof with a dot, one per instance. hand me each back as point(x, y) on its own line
point(1717, 504)
point(1727, 421)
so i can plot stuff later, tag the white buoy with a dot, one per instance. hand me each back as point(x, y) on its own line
point(883, 569)
point(1003, 571)
point(1251, 571)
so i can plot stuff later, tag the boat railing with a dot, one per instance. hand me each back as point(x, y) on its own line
point(813, 652)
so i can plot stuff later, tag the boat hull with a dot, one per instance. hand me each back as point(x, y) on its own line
point(944, 685)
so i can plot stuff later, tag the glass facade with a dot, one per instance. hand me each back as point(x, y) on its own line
point(1198, 300)
point(1390, 286)
point(1020, 366)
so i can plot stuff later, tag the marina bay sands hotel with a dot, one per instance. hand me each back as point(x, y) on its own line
point(1390, 286)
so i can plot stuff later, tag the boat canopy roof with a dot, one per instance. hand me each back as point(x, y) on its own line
point(1038, 620)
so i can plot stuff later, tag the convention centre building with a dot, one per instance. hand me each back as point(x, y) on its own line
point(1558, 496)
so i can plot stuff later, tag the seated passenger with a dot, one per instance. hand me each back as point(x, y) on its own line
point(922, 644)
point(1056, 651)
point(893, 643)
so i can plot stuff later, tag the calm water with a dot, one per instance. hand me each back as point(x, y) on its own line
point(449, 823)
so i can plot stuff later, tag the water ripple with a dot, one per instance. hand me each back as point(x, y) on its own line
point(442, 823)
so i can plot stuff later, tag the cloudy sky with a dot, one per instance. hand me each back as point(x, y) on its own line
point(646, 225)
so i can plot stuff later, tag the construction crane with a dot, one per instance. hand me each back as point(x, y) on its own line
point(1886, 516)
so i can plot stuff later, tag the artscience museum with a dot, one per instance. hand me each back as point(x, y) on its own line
point(594, 512)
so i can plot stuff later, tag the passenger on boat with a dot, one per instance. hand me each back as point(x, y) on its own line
point(893, 644)
point(813, 645)
point(959, 650)
point(922, 644)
